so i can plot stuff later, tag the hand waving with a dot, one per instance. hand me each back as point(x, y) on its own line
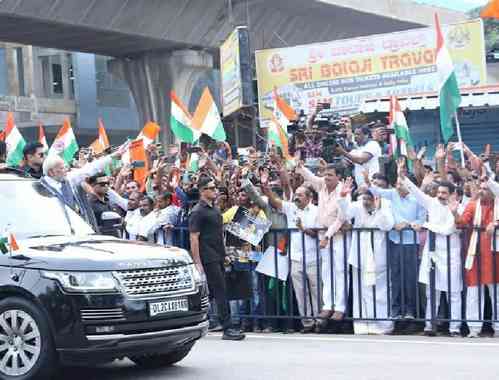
point(347, 187)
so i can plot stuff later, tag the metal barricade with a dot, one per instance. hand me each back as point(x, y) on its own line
point(279, 299)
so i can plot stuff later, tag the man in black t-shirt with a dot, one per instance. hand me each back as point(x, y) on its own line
point(208, 251)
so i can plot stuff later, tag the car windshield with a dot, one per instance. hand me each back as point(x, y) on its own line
point(29, 211)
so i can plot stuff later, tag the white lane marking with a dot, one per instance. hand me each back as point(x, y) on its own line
point(365, 340)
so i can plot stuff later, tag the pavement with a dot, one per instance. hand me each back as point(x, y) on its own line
point(317, 357)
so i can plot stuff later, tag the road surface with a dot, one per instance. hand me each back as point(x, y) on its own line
point(317, 357)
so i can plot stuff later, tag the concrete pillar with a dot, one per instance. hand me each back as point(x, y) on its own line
point(151, 76)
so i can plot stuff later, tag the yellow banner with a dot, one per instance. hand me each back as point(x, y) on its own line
point(346, 72)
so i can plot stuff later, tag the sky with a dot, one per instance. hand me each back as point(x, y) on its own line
point(459, 5)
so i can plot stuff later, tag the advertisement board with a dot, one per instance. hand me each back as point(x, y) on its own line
point(345, 72)
point(235, 60)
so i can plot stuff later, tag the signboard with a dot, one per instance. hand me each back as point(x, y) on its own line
point(345, 72)
point(235, 62)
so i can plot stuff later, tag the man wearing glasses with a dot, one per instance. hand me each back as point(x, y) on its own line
point(34, 154)
point(208, 251)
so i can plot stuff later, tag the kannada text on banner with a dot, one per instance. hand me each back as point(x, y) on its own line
point(346, 72)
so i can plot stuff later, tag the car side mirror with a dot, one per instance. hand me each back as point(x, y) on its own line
point(110, 223)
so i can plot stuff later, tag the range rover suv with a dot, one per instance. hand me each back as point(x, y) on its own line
point(71, 296)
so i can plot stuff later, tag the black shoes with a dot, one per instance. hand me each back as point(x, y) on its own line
point(233, 334)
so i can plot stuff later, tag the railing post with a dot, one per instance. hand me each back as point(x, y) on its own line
point(375, 275)
point(449, 283)
point(359, 274)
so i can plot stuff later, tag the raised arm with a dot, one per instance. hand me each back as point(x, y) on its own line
point(423, 199)
point(308, 176)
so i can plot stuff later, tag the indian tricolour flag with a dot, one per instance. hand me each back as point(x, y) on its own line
point(14, 141)
point(102, 142)
point(278, 130)
point(449, 94)
point(402, 137)
point(149, 133)
point(181, 121)
point(42, 139)
point(65, 144)
point(8, 242)
point(207, 118)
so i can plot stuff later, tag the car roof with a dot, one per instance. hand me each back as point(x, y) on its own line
point(13, 174)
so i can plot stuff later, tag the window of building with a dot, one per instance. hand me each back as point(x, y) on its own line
point(56, 67)
point(111, 91)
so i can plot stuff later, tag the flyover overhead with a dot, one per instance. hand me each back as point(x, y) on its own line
point(122, 28)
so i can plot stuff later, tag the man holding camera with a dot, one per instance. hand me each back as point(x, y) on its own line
point(365, 156)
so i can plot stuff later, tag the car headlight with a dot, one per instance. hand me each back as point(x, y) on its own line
point(84, 282)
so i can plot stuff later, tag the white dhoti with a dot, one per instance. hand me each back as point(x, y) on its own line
point(443, 273)
point(335, 274)
point(366, 306)
point(473, 311)
point(306, 289)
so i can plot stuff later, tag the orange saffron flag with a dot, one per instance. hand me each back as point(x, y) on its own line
point(491, 10)
point(13, 243)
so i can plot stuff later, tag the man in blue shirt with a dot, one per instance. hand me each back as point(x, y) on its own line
point(403, 248)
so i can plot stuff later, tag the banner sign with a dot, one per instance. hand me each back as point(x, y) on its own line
point(345, 72)
point(235, 62)
point(247, 227)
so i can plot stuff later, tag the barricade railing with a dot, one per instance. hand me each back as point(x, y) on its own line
point(372, 276)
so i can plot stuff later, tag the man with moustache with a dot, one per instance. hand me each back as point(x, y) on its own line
point(302, 216)
point(442, 230)
point(331, 241)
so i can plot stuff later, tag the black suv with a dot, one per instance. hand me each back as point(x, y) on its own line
point(71, 296)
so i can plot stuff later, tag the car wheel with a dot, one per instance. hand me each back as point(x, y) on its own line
point(162, 360)
point(26, 347)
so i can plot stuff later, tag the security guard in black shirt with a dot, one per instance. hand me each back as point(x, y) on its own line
point(208, 251)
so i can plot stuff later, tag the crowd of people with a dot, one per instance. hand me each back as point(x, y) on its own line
point(359, 232)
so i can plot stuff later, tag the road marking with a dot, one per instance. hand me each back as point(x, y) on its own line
point(354, 339)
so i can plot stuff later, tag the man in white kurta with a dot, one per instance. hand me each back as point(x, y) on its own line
point(368, 258)
point(442, 231)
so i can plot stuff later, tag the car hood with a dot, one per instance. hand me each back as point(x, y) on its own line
point(94, 253)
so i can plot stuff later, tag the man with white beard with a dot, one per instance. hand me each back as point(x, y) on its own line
point(441, 226)
point(368, 259)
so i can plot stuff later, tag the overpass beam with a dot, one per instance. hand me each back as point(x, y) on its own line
point(151, 76)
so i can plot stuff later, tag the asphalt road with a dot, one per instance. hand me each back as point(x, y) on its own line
point(275, 357)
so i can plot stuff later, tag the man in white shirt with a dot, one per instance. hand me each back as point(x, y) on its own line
point(162, 220)
point(441, 227)
point(133, 216)
point(365, 157)
point(368, 259)
point(304, 250)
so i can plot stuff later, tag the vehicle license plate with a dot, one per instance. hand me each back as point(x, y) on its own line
point(163, 307)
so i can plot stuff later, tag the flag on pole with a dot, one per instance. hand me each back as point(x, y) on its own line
point(278, 136)
point(8, 243)
point(399, 124)
point(278, 131)
point(284, 112)
point(181, 121)
point(449, 95)
point(102, 141)
point(14, 141)
point(207, 119)
point(65, 144)
point(149, 133)
point(42, 139)
point(491, 10)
